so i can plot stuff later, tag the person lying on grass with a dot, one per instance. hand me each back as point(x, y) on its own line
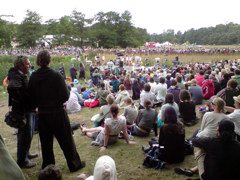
point(109, 134)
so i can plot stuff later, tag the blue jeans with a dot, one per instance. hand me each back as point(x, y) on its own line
point(24, 138)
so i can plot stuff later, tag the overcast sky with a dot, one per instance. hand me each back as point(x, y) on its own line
point(153, 15)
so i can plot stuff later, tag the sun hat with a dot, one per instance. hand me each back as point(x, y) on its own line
point(105, 169)
point(237, 98)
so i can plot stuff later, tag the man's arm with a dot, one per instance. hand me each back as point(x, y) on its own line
point(229, 109)
point(202, 142)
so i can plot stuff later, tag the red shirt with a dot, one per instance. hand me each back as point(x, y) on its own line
point(200, 79)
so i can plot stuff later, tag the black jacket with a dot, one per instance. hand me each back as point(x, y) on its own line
point(222, 159)
point(47, 89)
point(17, 90)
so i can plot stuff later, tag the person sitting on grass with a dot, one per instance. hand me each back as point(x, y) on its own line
point(72, 105)
point(130, 111)
point(227, 93)
point(196, 92)
point(161, 90)
point(100, 98)
point(146, 94)
point(170, 146)
point(169, 101)
point(222, 153)
point(187, 108)
point(208, 87)
point(114, 83)
point(122, 93)
point(105, 110)
point(209, 127)
point(145, 121)
point(108, 134)
point(171, 137)
point(175, 90)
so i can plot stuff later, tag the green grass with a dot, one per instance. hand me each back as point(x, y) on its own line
point(128, 158)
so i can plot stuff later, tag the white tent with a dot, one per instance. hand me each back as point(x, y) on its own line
point(166, 44)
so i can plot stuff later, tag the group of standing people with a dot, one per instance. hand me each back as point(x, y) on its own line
point(73, 72)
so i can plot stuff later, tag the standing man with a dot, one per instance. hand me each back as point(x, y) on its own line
point(48, 92)
point(18, 99)
point(73, 72)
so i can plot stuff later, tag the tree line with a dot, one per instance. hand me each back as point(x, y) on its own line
point(227, 34)
point(107, 30)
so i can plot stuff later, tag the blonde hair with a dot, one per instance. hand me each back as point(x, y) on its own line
point(110, 99)
point(223, 71)
point(128, 77)
point(219, 103)
point(122, 87)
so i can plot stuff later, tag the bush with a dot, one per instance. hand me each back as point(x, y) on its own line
point(91, 55)
point(5, 63)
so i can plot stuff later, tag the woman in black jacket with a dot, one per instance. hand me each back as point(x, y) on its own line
point(171, 138)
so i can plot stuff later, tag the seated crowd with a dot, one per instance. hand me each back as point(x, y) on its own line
point(178, 91)
point(216, 145)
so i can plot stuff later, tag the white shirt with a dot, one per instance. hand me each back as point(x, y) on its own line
point(72, 105)
point(161, 91)
point(235, 118)
point(210, 124)
point(153, 86)
point(146, 95)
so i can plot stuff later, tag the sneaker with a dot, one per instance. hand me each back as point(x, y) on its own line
point(28, 165)
point(183, 171)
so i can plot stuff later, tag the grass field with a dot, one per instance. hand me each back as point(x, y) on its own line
point(128, 158)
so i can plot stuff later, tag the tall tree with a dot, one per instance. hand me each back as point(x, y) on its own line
point(112, 29)
point(79, 29)
point(103, 31)
point(7, 31)
point(30, 30)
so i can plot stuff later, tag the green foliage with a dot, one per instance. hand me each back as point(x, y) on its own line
point(5, 63)
point(91, 55)
point(112, 30)
point(7, 31)
point(219, 35)
point(108, 30)
point(30, 30)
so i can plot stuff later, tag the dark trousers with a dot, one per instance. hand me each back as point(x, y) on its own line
point(57, 124)
point(73, 77)
point(24, 138)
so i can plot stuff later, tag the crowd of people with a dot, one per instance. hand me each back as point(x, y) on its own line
point(177, 90)
point(77, 51)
